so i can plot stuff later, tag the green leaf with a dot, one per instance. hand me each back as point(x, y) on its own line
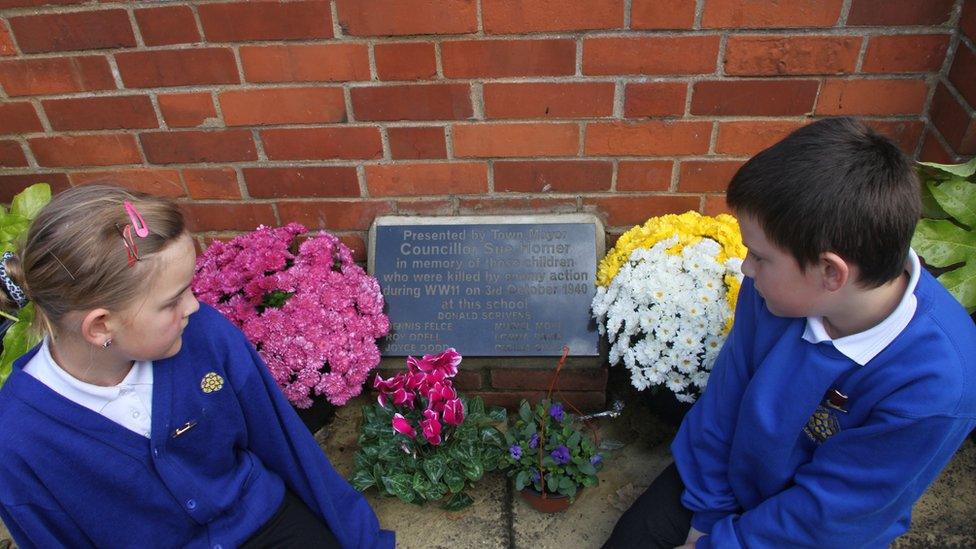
point(492, 436)
point(552, 483)
point(400, 486)
point(497, 414)
point(476, 406)
point(587, 468)
point(521, 480)
point(525, 412)
point(434, 467)
point(943, 243)
point(18, 340)
point(30, 201)
point(958, 198)
point(473, 470)
point(454, 480)
point(959, 170)
point(458, 501)
point(930, 206)
point(961, 283)
point(574, 440)
point(361, 480)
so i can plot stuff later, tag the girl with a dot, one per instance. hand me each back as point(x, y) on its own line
point(143, 417)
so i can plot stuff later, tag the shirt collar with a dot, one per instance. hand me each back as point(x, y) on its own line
point(863, 346)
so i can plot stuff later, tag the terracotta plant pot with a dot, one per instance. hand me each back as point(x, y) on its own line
point(552, 503)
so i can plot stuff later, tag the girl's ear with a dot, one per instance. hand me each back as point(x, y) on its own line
point(95, 327)
point(835, 272)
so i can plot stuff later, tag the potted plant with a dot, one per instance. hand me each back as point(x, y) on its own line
point(665, 299)
point(423, 441)
point(310, 311)
point(15, 329)
point(549, 457)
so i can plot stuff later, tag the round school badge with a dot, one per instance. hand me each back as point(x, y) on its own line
point(211, 382)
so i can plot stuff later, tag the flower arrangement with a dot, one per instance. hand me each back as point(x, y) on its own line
point(311, 312)
point(423, 440)
point(665, 298)
point(548, 452)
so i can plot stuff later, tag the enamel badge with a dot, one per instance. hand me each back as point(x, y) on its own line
point(211, 382)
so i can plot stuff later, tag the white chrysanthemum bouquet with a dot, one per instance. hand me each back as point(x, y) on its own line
point(665, 299)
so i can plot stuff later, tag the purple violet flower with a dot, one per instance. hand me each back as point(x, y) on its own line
point(536, 477)
point(515, 451)
point(561, 455)
point(596, 460)
point(534, 441)
point(556, 411)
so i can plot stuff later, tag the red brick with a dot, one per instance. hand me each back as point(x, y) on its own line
point(11, 154)
point(934, 151)
point(405, 61)
point(746, 138)
point(417, 143)
point(953, 121)
point(647, 138)
point(32, 3)
point(55, 75)
point(198, 146)
point(306, 181)
point(762, 14)
point(6, 42)
point(577, 379)
point(227, 216)
point(101, 113)
point(523, 16)
point(85, 150)
point(548, 100)
point(356, 244)
point(494, 140)
point(405, 17)
point(186, 110)
point(251, 107)
point(167, 25)
point(906, 53)
point(963, 73)
point(212, 183)
point(654, 14)
point(866, 97)
point(905, 133)
point(322, 143)
point(481, 206)
point(338, 215)
point(651, 55)
point(244, 21)
point(157, 182)
point(697, 176)
point(427, 179)
point(412, 102)
point(585, 401)
point(647, 175)
point(19, 117)
point(754, 97)
point(83, 30)
point(626, 211)
point(305, 63)
point(899, 12)
point(500, 58)
point(791, 55)
point(14, 183)
point(151, 69)
point(715, 204)
point(425, 207)
point(559, 176)
point(967, 21)
point(655, 99)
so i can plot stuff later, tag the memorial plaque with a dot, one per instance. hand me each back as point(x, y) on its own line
point(488, 286)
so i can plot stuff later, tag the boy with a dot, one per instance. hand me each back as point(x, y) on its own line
point(849, 377)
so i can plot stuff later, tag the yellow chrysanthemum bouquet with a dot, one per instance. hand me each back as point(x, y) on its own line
point(665, 298)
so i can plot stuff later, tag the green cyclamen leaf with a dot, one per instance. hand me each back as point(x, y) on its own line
point(361, 480)
point(492, 436)
point(458, 501)
point(943, 243)
point(434, 467)
point(454, 480)
point(30, 201)
point(473, 470)
point(958, 198)
point(400, 486)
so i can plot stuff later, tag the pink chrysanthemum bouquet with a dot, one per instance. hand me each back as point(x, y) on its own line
point(311, 312)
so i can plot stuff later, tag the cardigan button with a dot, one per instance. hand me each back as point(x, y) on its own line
point(191, 504)
point(155, 452)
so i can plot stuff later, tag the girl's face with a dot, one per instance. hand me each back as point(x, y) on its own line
point(153, 325)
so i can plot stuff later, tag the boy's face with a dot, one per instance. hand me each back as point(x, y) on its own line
point(789, 290)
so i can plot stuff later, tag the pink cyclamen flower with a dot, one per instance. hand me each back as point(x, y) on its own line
point(402, 426)
point(431, 427)
point(440, 393)
point(446, 361)
point(403, 398)
point(453, 412)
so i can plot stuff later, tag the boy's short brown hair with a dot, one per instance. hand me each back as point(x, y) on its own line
point(834, 186)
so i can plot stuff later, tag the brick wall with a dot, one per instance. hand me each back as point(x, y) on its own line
point(333, 112)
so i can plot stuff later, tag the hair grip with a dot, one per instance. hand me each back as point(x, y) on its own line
point(138, 223)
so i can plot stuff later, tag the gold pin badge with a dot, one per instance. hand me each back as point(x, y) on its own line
point(211, 382)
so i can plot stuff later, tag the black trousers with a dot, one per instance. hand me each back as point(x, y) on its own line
point(292, 525)
point(657, 518)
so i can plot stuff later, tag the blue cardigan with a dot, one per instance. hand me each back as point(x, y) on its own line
point(71, 477)
point(767, 463)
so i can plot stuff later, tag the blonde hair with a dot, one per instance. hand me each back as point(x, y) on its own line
point(74, 257)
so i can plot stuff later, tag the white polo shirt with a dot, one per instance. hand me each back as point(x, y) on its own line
point(129, 403)
point(863, 346)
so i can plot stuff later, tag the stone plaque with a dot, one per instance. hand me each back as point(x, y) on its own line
point(488, 286)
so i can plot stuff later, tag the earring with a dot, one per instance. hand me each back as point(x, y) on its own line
point(107, 344)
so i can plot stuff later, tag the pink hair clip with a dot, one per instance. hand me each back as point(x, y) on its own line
point(141, 230)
